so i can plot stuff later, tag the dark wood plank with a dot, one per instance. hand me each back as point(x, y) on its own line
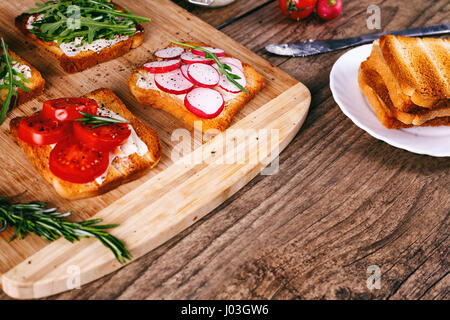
point(219, 17)
point(341, 202)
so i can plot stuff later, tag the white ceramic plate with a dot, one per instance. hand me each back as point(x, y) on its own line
point(433, 141)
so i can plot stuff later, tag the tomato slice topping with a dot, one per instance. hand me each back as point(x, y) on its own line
point(104, 138)
point(37, 130)
point(74, 162)
point(68, 109)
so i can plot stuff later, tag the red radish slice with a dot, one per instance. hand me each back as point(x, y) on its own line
point(218, 52)
point(215, 66)
point(173, 82)
point(203, 75)
point(162, 66)
point(169, 53)
point(189, 58)
point(205, 103)
point(184, 72)
point(233, 61)
point(230, 87)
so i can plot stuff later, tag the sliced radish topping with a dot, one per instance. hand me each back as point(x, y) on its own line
point(218, 52)
point(205, 103)
point(233, 61)
point(169, 53)
point(230, 87)
point(184, 69)
point(189, 57)
point(203, 75)
point(173, 82)
point(162, 66)
point(215, 66)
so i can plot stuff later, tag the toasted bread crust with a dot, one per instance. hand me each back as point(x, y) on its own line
point(373, 87)
point(420, 66)
point(36, 83)
point(380, 76)
point(400, 100)
point(121, 170)
point(86, 59)
point(175, 106)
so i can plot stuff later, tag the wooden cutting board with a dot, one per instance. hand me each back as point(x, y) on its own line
point(170, 198)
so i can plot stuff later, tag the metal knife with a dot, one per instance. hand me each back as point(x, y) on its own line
point(302, 49)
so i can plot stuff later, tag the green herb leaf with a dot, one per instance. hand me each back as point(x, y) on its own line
point(33, 217)
point(9, 81)
point(223, 68)
point(92, 20)
point(98, 121)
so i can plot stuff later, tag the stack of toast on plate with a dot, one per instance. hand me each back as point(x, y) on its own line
point(407, 81)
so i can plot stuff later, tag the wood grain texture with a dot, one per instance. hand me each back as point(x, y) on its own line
point(341, 202)
point(219, 17)
point(29, 271)
point(171, 201)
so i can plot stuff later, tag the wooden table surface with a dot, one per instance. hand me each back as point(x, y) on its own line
point(341, 202)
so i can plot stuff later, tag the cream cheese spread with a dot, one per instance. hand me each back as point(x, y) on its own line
point(133, 145)
point(20, 68)
point(32, 19)
point(75, 47)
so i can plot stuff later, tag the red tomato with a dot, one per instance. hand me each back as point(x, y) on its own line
point(37, 130)
point(73, 162)
point(297, 9)
point(329, 9)
point(68, 109)
point(105, 138)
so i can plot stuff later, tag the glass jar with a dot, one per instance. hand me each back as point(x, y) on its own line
point(211, 3)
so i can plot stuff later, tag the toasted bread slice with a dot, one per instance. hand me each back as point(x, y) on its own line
point(121, 170)
point(36, 83)
point(403, 108)
point(421, 67)
point(400, 100)
point(175, 106)
point(85, 59)
point(373, 87)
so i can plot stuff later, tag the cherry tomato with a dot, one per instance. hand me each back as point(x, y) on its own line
point(74, 162)
point(329, 9)
point(297, 9)
point(105, 138)
point(68, 109)
point(37, 130)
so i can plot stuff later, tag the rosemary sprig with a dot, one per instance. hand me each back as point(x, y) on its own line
point(98, 121)
point(223, 67)
point(33, 217)
point(97, 20)
point(9, 76)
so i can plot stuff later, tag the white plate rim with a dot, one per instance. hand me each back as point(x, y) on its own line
point(360, 124)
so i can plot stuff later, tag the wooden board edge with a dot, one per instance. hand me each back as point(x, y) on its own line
point(49, 271)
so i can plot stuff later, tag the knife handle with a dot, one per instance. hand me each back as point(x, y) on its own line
point(437, 29)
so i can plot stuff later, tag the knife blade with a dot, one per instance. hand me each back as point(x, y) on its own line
point(302, 49)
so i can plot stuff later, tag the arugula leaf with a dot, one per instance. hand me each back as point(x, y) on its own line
point(97, 19)
point(9, 81)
